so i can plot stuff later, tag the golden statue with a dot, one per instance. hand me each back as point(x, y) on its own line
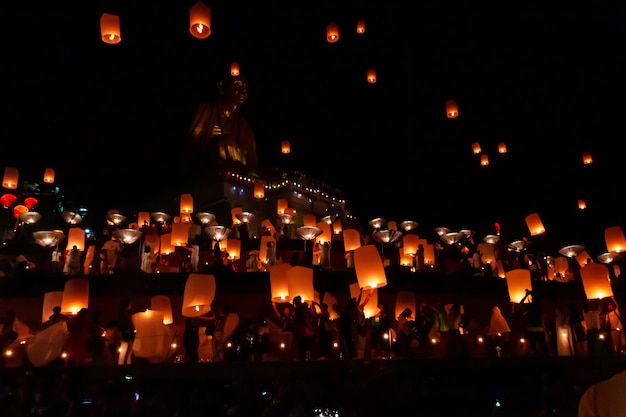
point(220, 121)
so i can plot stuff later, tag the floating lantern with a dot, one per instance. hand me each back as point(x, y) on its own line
point(501, 147)
point(614, 238)
point(285, 147)
point(369, 268)
point(75, 295)
point(11, 176)
point(410, 244)
point(259, 190)
point(186, 203)
point(582, 205)
point(152, 338)
point(309, 220)
point(337, 226)
point(326, 235)
point(143, 219)
point(300, 282)
point(452, 109)
point(535, 226)
point(596, 281)
point(476, 148)
point(48, 176)
point(179, 236)
point(233, 248)
point(234, 212)
point(200, 20)
point(404, 300)
point(351, 239)
point(587, 159)
point(279, 283)
point(484, 160)
point(281, 205)
point(518, 281)
point(76, 236)
point(360, 27)
point(50, 300)
point(234, 69)
point(198, 295)
point(163, 304)
point(371, 76)
point(332, 32)
point(110, 29)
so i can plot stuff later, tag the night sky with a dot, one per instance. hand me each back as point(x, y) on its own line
point(111, 119)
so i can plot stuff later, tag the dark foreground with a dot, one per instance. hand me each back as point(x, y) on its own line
point(431, 387)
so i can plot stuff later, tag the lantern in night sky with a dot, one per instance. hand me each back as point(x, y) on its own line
point(110, 29)
point(535, 226)
point(200, 20)
point(452, 110)
point(587, 159)
point(371, 76)
point(234, 69)
point(48, 176)
point(332, 32)
point(11, 176)
point(360, 27)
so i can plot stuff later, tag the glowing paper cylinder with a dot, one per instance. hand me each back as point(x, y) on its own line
point(110, 29)
point(391, 225)
point(405, 259)
point(233, 213)
point(332, 32)
point(410, 244)
point(259, 190)
point(152, 338)
point(48, 176)
point(518, 281)
point(265, 240)
point(596, 281)
point(300, 282)
point(501, 147)
point(179, 236)
point(143, 218)
point(582, 258)
point(233, 249)
point(360, 27)
point(198, 295)
point(484, 160)
point(452, 110)
point(279, 283)
point(186, 203)
point(269, 226)
point(50, 300)
point(76, 236)
point(429, 251)
point(337, 227)
point(75, 295)
point(487, 252)
point(582, 205)
point(406, 299)
point(587, 159)
point(166, 244)
point(163, 304)
point(371, 76)
point(309, 220)
point(476, 148)
point(534, 224)
point(10, 178)
point(281, 205)
point(497, 323)
point(234, 69)
point(561, 265)
point(331, 301)
point(614, 239)
point(371, 307)
point(369, 268)
point(285, 147)
point(326, 235)
point(351, 239)
point(200, 20)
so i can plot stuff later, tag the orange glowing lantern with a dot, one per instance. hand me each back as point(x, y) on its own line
point(452, 110)
point(233, 248)
point(163, 304)
point(535, 226)
point(11, 176)
point(110, 29)
point(76, 236)
point(410, 244)
point(360, 27)
point(50, 300)
point(404, 300)
point(326, 235)
point(582, 205)
point(7, 200)
point(143, 219)
point(30, 202)
point(596, 281)
point(186, 203)
point(587, 159)
point(259, 190)
point(198, 295)
point(278, 282)
point(332, 32)
point(75, 296)
point(281, 205)
point(501, 147)
point(476, 148)
point(179, 236)
point(369, 268)
point(309, 220)
point(19, 210)
point(200, 20)
point(153, 339)
point(233, 214)
point(285, 147)
point(429, 251)
point(518, 281)
point(371, 76)
point(614, 239)
point(300, 282)
point(234, 69)
point(337, 226)
point(484, 160)
point(266, 241)
point(290, 211)
point(351, 239)
point(48, 176)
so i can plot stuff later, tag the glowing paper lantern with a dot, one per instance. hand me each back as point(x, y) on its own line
point(534, 224)
point(331, 301)
point(596, 281)
point(233, 248)
point(484, 160)
point(332, 32)
point(452, 109)
point(198, 295)
point(337, 227)
point(19, 210)
point(233, 213)
point(614, 239)
point(110, 29)
point(285, 147)
point(360, 27)
point(300, 282)
point(326, 235)
point(265, 241)
point(406, 299)
point(259, 190)
point(76, 236)
point(30, 202)
point(587, 159)
point(48, 176)
point(179, 236)
point(186, 203)
point(410, 244)
point(371, 306)
point(234, 69)
point(200, 20)
point(582, 205)
point(143, 218)
point(497, 323)
point(369, 268)
point(7, 200)
point(281, 205)
point(501, 147)
point(11, 176)
point(487, 252)
point(476, 148)
point(309, 220)
point(163, 304)
point(279, 283)
point(50, 300)
point(371, 76)
point(351, 239)
point(153, 339)
point(518, 281)
point(75, 295)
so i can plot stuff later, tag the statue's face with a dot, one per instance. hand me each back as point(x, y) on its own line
point(237, 92)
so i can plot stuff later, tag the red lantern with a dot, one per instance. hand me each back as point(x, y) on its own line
point(19, 210)
point(30, 202)
point(332, 32)
point(7, 200)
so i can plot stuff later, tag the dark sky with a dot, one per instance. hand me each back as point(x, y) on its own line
point(549, 83)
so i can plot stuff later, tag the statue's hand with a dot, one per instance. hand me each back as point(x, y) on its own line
point(217, 130)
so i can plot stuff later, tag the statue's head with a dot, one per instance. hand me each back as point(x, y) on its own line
point(234, 89)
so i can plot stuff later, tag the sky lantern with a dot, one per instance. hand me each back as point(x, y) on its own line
point(310, 220)
point(332, 32)
point(369, 268)
point(582, 205)
point(75, 296)
point(534, 224)
point(233, 248)
point(198, 294)
point(484, 160)
point(50, 300)
point(614, 239)
point(200, 20)
point(300, 283)
point(501, 147)
point(76, 236)
point(179, 236)
point(596, 281)
point(186, 203)
point(19, 210)
point(48, 175)
point(110, 29)
point(518, 281)
point(285, 147)
point(337, 226)
point(7, 200)
point(371, 76)
point(404, 300)
point(326, 235)
point(360, 27)
point(234, 69)
point(452, 110)
point(30, 202)
point(410, 244)
point(351, 239)
point(278, 282)
point(163, 304)
point(281, 205)
point(259, 190)
point(476, 148)
point(11, 176)
point(587, 159)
